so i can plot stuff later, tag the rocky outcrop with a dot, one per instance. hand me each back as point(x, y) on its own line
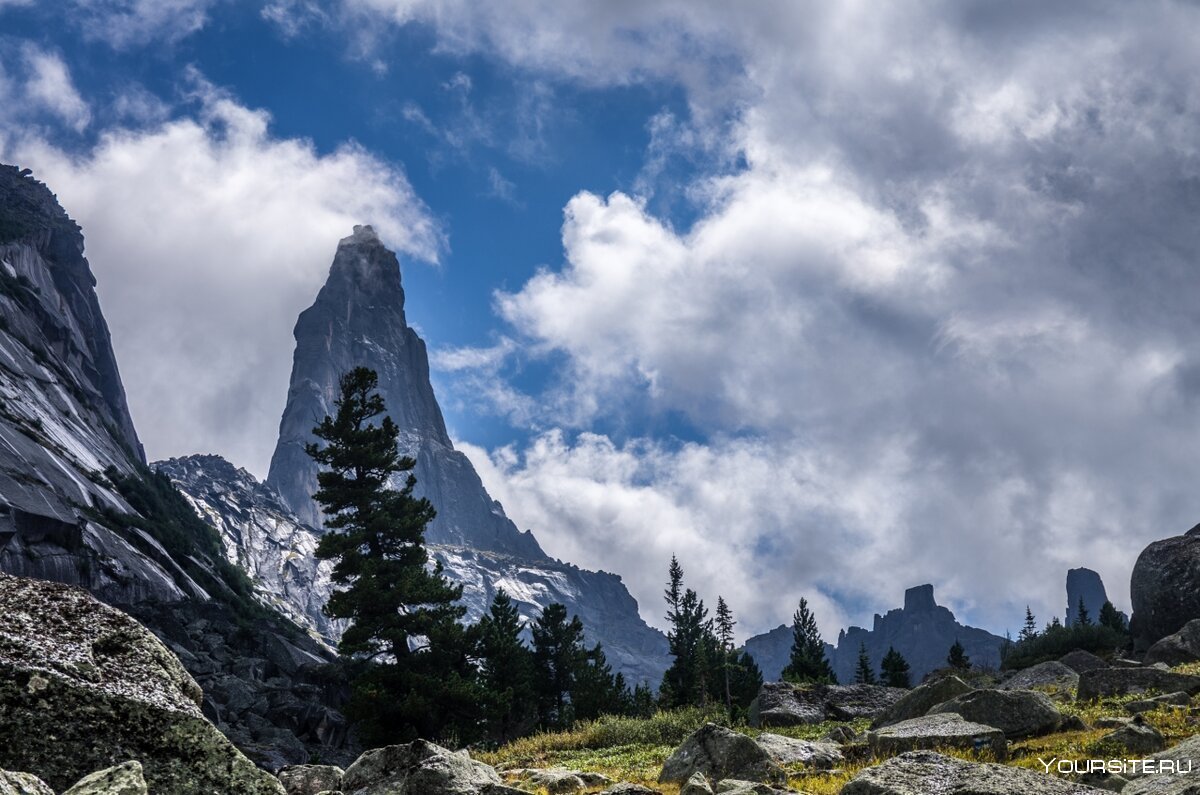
point(912, 774)
point(358, 320)
point(1104, 682)
point(784, 704)
point(719, 753)
point(310, 779)
point(420, 768)
point(22, 784)
point(1051, 676)
point(1177, 648)
point(921, 699)
point(922, 631)
point(790, 751)
point(1017, 713)
point(1135, 739)
point(110, 691)
point(123, 779)
point(945, 730)
point(1164, 588)
point(1084, 584)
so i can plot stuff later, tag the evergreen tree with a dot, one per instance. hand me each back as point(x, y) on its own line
point(957, 658)
point(864, 674)
point(745, 679)
point(725, 625)
point(505, 672)
point(558, 657)
point(1081, 614)
point(1111, 618)
point(691, 643)
point(642, 702)
point(595, 691)
point(417, 676)
point(895, 669)
point(1029, 630)
point(807, 662)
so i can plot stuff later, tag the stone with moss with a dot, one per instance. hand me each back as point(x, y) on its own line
point(123, 779)
point(22, 784)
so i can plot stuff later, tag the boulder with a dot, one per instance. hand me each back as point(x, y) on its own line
point(838, 734)
point(1177, 648)
point(1052, 676)
point(83, 687)
point(921, 699)
point(1104, 682)
point(555, 781)
point(418, 768)
point(719, 753)
point(943, 730)
point(625, 788)
point(790, 751)
point(1164, 588)
point(1136, 738)
point(732, 786)
point(1158, 702)
point(22, 784)
point(1109, 782)
point(697, 784)
point(852, 702)
point(1185, 756)
point(781, 704)
point(925, 772)
point(124, 779)
point(1017, 713)
point(310, 779)
point(1080, 661)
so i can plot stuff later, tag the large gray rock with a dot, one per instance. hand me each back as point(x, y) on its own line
point(784, 704)
point(1182, 777)
point(1080, 661)
point(852, 702)
point(735, 787)
point(1165, 588)
point(1017, 713)
point(1053, 676)
point(83, 686)
point(310, 779)
point(928, 773)
point(1104, 682)
point(625, 788)
point(1184, 755)
point(1158, 702)
point(790, 751)
point(696, 784)
point(124, 779)
point(1136, 738)
point(720, 753)
point(921, 699)
point(931, 732)
point(1177, 648)
point(22, 784)
point(418, 768)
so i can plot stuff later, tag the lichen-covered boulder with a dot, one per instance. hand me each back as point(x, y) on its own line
point(1104, 682)
point(781, 704)
point(1136, 737)
point(22, 784)
point(696, 784)
point(735, 787)
point(921, 699)
point(124, 779)
point(719, 753)
point(925, 772)
point(1158, 702)
point(944, 730)
point(557, 781)
point(1052, 676)
point(1017, 713)
point(1080, 661)
point(1164, 588)
point(1177, 648)
point(310, 779)
point(790, 751)
point(84, 687)
point(419, 768)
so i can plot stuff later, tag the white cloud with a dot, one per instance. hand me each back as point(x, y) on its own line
point(208, 236)
point(36, 85)
point(126, 23)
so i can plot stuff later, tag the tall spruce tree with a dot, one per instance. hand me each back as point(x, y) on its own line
point(724, 627)
point(596, 690)
point(417, 677)
point(1029, 630)
point(558, 656)
point(957, 657)
point(1110, 617)
point(895, 669)
point(691, 643)
point(807, 661)
point(864, 674)
point(505, 672)
point(1082, 618)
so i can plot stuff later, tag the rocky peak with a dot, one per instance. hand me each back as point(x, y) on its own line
point(919, 599)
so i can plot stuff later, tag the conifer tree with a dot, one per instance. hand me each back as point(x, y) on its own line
point(596, 691)
point(505, 672)
point(691, 643)
point(957, 658)
point(1029, 630)
point(417, 679)
point(807, 662)
point(558, 656)
point(864, 674)
point(895, 669)
point(1081, 614)
point(724, 626)
point(1111, 618)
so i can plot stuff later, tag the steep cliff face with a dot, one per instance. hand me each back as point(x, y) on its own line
point(358, 320)
point(922, 631)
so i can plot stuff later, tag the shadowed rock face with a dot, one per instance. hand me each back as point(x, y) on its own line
point(1164, 588)
point(1084, 584)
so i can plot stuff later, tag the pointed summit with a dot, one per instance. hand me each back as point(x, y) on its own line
point(358, 320)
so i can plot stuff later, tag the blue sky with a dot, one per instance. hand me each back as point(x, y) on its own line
point(827, 299)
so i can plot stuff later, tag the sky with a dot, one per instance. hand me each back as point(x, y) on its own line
point(827, 299)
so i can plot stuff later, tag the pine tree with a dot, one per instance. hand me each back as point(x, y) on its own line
point(1029, 630)
point(595, 691)
point(807, 662)
point(642, 702)
point(558, 656)
point(745, 679)
point(403, 615)
point(1111, 618)
point(505, 672)
point(1081, 614)
point(895, 669)
point(957, 658)
point(725, 625)
point(690, 642)
point(864, 674)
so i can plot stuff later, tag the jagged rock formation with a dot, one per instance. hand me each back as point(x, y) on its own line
point(358, 320)
point(1084, 584)
point(922, 631)
point(79, 506)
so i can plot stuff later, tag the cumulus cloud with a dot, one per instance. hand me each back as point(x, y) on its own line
point(208, 235)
